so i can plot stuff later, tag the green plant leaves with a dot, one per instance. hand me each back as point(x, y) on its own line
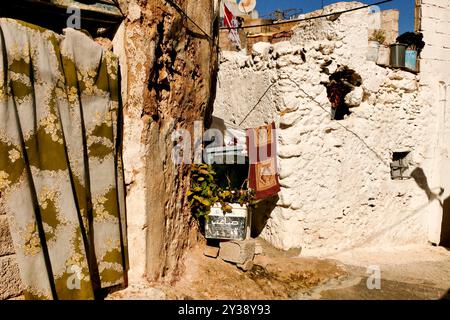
point(205, 192)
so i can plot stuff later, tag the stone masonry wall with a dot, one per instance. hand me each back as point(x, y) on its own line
point(10, 285)
point(337, 192)
point(434, 23)
point(389, 23)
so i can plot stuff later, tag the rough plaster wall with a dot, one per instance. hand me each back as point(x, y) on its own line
point(171, 70)
point(133, 150)
point(246, 84)
point(337, 192)
point(435, 82)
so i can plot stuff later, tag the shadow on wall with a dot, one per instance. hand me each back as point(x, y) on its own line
point(446, 296)
point(264, 209)
point(262, 213)
point(419, 176)
point(421, 179)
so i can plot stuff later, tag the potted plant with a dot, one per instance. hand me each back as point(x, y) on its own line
point(203, 192)
point(383, 49)
point(376, 38)
point(414, 44)
point(224, 211)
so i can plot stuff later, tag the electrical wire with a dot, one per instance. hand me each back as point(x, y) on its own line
point(183, 13)
point(320, 106)
point(310, 18)
point(257, 103)
point(340, 124)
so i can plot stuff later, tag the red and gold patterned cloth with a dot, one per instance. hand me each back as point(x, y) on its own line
point(263, 174)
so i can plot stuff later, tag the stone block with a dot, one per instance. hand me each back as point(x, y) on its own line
point(429, 24)
point(258, 248)
point(437, 3)
point(261, 48)
point(436, 53)
point(355, 97)
point(6, 244)
point(430, 11)
point(247, 266)
point(210, 251)
point(282, 48)
point(438, 40)
point(10, 284)
point(238, 252)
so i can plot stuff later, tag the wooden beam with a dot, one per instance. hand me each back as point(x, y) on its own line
point(418, 15)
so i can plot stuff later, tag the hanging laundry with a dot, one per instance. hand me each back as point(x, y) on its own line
point(263, 174)
point(61, 179)
point(232, 23)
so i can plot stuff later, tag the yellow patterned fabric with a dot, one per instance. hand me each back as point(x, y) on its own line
point(61, 180)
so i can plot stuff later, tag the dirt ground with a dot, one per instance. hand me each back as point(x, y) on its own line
point(409, 272)
point(406, 273)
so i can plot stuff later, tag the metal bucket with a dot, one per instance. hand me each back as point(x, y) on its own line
point(397, 59)
point(383, 56)
point(411, 59)
point(228, 226)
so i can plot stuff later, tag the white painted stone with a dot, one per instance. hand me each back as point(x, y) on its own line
point(337, 192)
point(286, 152)
point(134, 11)
point(282, 48)
point(355, 97)
point(290, 102)
point(261, 48)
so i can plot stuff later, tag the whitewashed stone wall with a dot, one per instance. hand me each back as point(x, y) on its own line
point(337, 191)
point(435, 82)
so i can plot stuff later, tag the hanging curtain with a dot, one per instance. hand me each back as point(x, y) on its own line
point(61, 180)
point(262, 153)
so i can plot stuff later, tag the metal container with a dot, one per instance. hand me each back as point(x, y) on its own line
point(397, 59)
point(372, 51)
point(411, 59)
point(383, 55)
point(228, 226)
